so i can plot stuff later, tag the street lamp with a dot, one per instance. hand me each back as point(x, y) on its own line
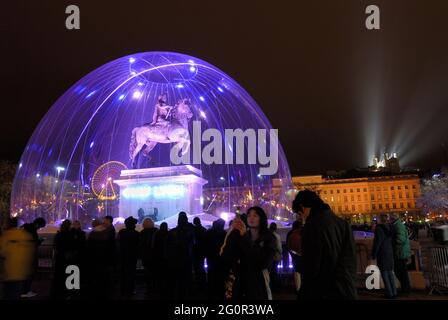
point(59, 169)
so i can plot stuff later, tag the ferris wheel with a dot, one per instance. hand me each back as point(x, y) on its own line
point(103, 185)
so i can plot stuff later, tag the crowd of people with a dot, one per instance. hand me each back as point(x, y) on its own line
point(241, 262)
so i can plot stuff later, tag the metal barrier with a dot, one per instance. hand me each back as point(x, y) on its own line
point(439, 269)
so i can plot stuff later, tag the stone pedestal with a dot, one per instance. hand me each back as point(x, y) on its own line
point(160, 192)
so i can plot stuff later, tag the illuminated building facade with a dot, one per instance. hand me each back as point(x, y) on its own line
point(363, 198)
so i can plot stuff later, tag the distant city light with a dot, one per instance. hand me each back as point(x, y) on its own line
point(140, 84)
point(37, 175)
point(192, 69)
point(90, 94)
point(224, 216)
point(91, 144)
point(131, 60)
point(118, 220)
point(59, 169)
point(121, 97)
point(202, 113)
point(220, 89)
point(201, 98)
point(136, 94)
point(180, 85)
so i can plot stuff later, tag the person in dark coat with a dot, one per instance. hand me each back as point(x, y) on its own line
point(63, 257)
point(199, 253)
point(161, 259)
point(383, 252)
point(147, 252)
point(128, 240)
point(180, 257)
point(32, 228)
point(215, 272)
point(79, 254)
point(112, 241)
point(254, 248)
point(79, 243)
point(97, 261)
point(328, 251)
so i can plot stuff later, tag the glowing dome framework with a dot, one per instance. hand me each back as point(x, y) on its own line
point(91, 125)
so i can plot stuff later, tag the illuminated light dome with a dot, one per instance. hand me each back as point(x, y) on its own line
point(91, 125)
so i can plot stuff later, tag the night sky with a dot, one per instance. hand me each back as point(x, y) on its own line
point(336, 91)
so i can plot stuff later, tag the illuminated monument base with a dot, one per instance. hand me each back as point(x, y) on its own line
point(160, 192)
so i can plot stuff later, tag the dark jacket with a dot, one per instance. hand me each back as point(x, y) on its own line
point(111, 246)
point(79, 246)
point(382, 249)
point(128, 240)
point(199, 247)
point(180, 247)
point(97, 248)
point(255, 259)
point(214, 241)
point(63, 248)
point(329, 257)
point(147, 245)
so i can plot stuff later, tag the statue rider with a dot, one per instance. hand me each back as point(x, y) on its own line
point(162, 111)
